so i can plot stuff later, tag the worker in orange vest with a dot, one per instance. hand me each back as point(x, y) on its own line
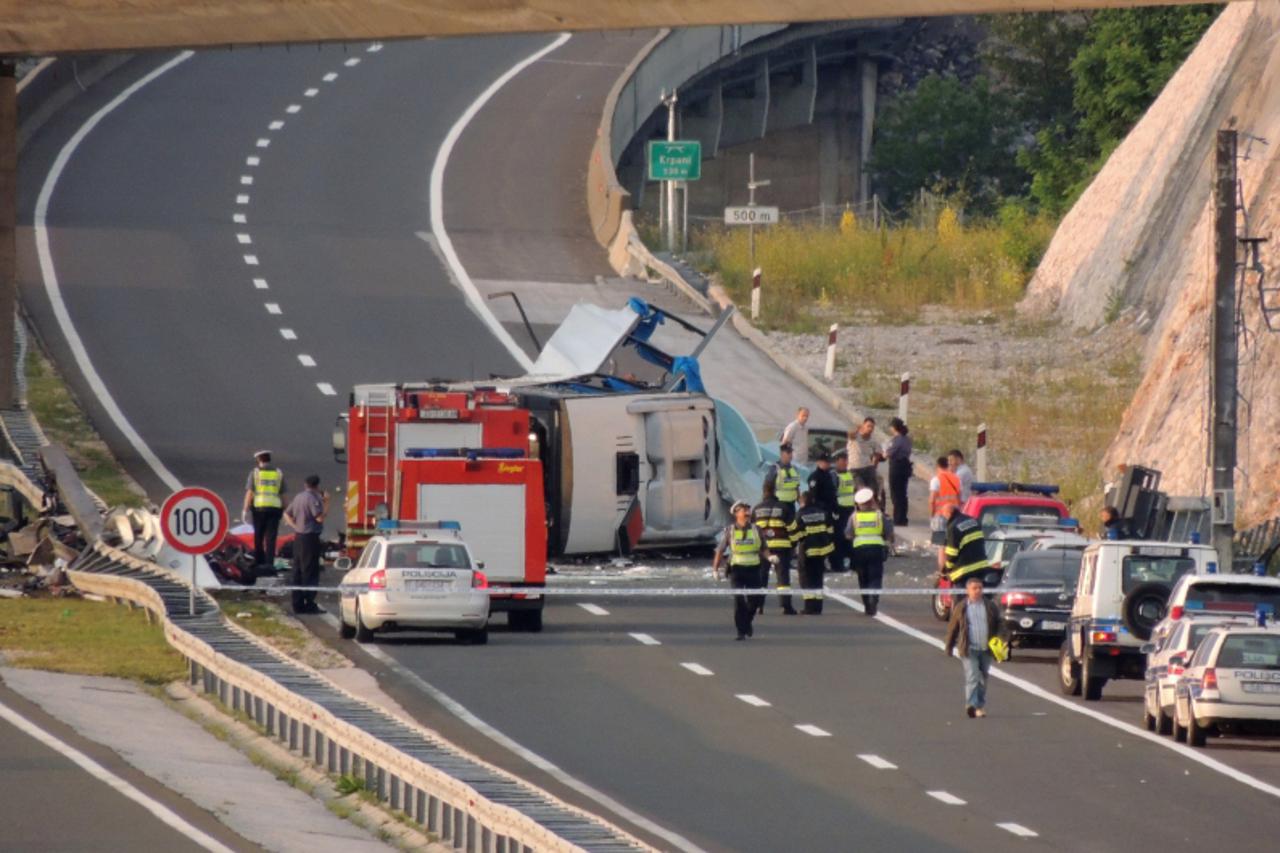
point(944, 491)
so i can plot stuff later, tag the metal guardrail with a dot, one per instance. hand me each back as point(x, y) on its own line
point(464, 801)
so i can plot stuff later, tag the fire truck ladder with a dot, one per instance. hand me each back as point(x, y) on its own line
point(378, 477)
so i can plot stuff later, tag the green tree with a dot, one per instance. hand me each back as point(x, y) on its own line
point(1030, 55)
point(953, 138)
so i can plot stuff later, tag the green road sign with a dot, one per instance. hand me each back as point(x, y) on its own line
point(675, 161)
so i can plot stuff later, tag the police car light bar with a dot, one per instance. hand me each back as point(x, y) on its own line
point(1043, 489)
point(396, 525)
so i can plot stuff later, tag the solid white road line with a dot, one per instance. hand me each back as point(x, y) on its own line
point(1039, 692)
point(944, 797)
point(463, 279)
point(244, 239)
point(275, 125)
point(239, 218)
point(306, 360)
point(330, 77)
point(594, 609)
point(352, 62)
point(251, 260)
point(753, 700)
point(645, 639)
point(242, 199)
point(877, 762)
point(697, 669)
point(260, 283)
point(102, 774)
point(310, 93)
point(272, 307)
point(326, 389)
point(54, 290)
point(289, 334)
point(811, 729)
point(263, 143)
point(1018, 830)
point(460, 711)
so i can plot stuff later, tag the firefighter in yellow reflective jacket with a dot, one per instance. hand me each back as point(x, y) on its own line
point(777, 522)
point(966, 549)
point(815, 540)
point(869, 529)
point(744, 546)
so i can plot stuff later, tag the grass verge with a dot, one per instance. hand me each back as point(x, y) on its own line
point(60, 416)
point(86, 638)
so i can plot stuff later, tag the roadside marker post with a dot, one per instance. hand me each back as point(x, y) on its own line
point(755, 294)
point(194, 521)
point(830, 371)
point(904, 391)
point(982, 453)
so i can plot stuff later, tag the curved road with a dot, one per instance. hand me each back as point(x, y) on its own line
point(235, 327)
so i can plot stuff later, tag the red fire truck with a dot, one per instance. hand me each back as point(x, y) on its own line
point(425, 453)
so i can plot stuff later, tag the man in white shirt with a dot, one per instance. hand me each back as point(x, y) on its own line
point(964, 473)
point(796, 434)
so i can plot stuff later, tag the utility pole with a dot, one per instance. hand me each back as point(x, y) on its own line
point(8, 234)
point(670, 102)
point(752, 184)
point(1222, 424)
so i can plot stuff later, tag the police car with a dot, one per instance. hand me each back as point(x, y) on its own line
point(1167, 658)
point(1231, 686)
point(423, 579)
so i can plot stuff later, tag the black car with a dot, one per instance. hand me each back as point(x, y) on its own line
point(1035, 596)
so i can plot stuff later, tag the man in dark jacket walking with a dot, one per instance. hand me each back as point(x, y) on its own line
point(974, 621)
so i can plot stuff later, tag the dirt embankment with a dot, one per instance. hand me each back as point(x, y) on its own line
point(1140, 239)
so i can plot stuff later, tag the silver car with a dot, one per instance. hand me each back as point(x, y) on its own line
point(1231, 686)
point(1167, 659)
point(415, 582)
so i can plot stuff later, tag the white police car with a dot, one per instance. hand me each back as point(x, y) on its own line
point(417, 580)
point(1231, 686)
point(1167, 659)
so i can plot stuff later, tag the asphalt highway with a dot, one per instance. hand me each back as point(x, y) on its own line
point(220, 326)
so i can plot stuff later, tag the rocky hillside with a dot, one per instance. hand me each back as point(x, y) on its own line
point(1138, 242)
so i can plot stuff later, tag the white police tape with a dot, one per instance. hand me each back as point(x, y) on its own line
point(659, 592)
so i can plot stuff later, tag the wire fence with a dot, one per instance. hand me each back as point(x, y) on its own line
point(924, 210)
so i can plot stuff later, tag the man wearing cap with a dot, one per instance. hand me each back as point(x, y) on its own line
point(264, 503)
point(870, 530)
point(784, 477)
point(745, 546)
point(815, 539)
point(777, 523)
point(846, 489)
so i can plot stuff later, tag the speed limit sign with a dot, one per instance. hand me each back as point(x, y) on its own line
point(194, 521)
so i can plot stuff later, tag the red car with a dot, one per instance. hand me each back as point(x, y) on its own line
point(988, 501)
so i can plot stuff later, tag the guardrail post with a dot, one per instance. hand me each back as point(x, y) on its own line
point(393, 793)
point(419, 806)
point(306, 741)
point(459, 828)
point(433, 814)
point(344, 761)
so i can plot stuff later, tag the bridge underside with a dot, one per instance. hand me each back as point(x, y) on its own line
point(40, 27)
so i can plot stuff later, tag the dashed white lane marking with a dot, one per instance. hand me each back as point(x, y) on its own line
point(877, 762)
point(306, 360)
point(811, 729)
point(1018, 830)
point(252, 161)
point(289, 334)
point(944, 797)
point(264, 143)
point(645, 639)
point(594, 609)
point(102, 774)
point(239, 218)
point(326, 389)
point(753, 700)
point(352, 62)
point(275, 125)
point(293, 108)
point(260, 283)
point(272, 307)
point(436, 197)
point(330, 77)
point(49, 273)
point(697, 669)
point(242, 199)
point(244, 239)
point(251, 260)
point(310, 93)
point(246, 180)
point(374, 48)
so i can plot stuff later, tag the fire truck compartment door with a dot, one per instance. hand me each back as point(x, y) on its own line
point(492, 518)
point(418, 436)
point(584, 341)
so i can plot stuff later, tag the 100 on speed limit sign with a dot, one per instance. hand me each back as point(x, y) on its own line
point(194, 520)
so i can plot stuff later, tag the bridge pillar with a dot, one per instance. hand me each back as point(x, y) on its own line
point(793, 106)
point(8, 223)
point(746, 107)
point(868, 72)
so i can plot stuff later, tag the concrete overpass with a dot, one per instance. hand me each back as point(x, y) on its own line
point(59, 26)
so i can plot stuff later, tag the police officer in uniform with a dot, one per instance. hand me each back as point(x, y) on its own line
point(815, 539)
point(784, 477)
point(966, 549)
point(777, 523)
point(744, 546)
point(869, 530)
point(264, 502)
point(846, 487)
